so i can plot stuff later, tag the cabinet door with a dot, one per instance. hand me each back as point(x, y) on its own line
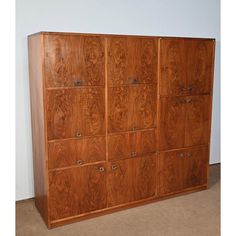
point(92, 188)
point(120, 180)
point(75, 112)
point(131, 60)
point(76, 152)
point(195, 167)
point(144, 177)
point(170, 172)
point(172, 122)
point(73, 60)
point(200, 63)
point(197, 127)
point(172, 80)
point(63, 194)
point(144, 103)
point(131, 108)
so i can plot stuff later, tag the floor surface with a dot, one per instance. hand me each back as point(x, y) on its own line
point(195, 214)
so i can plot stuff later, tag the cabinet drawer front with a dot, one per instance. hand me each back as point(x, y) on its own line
point(131, 108)
point(131, 144)
point(72, 60)
point(131, 60)
point(182, 169)
point(131, 179)
point(77, 190)
point(75, 112)
point(76, 152)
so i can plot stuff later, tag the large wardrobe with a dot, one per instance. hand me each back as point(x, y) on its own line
point(117, 120)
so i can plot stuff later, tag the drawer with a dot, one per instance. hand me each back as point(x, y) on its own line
point(76, 152)
point(74, 60)
point(131, 144)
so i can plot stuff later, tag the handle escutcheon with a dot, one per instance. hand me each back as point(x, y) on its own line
point(78, 83)
point(78, 134)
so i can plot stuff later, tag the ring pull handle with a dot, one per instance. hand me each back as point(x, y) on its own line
point(78, 134)
point(101, 169)
point(78, 83)
point(114, 167)
point(80, 162)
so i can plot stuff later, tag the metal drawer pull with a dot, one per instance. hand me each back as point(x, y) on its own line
point(78, 134)
point(189, 154)
point(80, 162)
point(133, 154)
point(134, 128)
point(78, 83)
point(114, 167)
point(101, 169)
point(133, 80)
point(188, 100)
point(186, 89)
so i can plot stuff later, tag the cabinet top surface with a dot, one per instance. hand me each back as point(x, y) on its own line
point(113, 35)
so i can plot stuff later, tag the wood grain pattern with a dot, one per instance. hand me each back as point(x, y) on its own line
point(77, 190)
point(76, 152)
point(197, 120)
point(172, 122)
point(67, 119)
point(130, 144)
point(70, 59)
point(38, 125)
point(131, 108)
point(131, 60)
point(183, 169)
point(131, 179)
point(186, 66)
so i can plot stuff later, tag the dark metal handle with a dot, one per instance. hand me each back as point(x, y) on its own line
point(78, 83)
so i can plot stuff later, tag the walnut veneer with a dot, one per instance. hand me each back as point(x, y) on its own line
point(117, 121)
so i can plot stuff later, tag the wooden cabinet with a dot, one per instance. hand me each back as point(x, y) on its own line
point(117, 120)
point(182, 169)
point(184, 121)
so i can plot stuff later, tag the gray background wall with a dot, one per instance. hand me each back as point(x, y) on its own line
point(196, 18)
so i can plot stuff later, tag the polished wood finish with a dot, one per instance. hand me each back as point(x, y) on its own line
point(184, 121)
point(38, 125)
point(67, 119)
point(74, 61)
point(131, 179)
point(131, 60)
point(182, 169)
point(117, 121)
point(131, 108)
point(131, 144)
point(76, 152)
point(186, 66)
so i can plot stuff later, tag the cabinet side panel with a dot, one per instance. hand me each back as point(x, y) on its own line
point(37, 123)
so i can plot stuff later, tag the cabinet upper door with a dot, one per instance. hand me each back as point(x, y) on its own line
point(172, 66)
point(200, 62)
point(197, 126)
point(186, 66)
point(172, 114)
point(131, 108)
point(73, 60)
point(75, 112)
point(131, 60)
